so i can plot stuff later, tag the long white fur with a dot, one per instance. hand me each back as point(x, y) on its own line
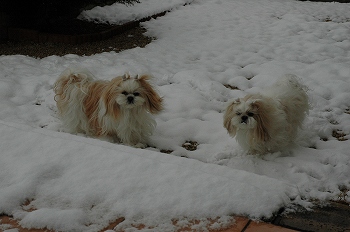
point(73, 115)
point(279, 112)
point(133, 124)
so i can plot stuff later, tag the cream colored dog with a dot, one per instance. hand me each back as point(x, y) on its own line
point(268, 122)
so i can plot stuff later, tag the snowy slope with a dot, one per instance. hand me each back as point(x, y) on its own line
point(200, 49)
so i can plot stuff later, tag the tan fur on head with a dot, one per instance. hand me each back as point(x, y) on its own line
point(154, 101)
point(115, 108)
point(228, 115)
point(261, 115)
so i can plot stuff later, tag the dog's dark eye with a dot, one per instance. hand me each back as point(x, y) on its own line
point(125, 93)
point(238, 113)
point(136, 94)
point(250, 114)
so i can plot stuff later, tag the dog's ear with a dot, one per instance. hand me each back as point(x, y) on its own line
point(154, 102)
point(228, 115)
point(108, 94)
point(261, 116)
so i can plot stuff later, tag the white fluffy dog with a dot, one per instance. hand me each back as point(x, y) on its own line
point(268, 122)
point(120, 108)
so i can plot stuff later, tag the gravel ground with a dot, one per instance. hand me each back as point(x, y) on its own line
point(126, 40)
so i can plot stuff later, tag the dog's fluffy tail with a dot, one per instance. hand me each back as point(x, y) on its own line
point(76, 74)
point(287, 87)
point(293, 82)
point(73, 76)
point(293, 96)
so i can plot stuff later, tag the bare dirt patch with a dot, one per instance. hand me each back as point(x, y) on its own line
point(339, 135)
point(129, 39)
point(190, 145)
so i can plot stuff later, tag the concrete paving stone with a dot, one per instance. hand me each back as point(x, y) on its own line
point(334, 217)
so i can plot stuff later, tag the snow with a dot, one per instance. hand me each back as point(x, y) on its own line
point(77, 183)
point(118, 13)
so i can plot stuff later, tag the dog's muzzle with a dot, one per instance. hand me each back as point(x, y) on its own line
point(130, 100)
point(244, 119)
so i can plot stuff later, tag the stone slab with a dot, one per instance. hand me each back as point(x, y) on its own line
point(333, 217)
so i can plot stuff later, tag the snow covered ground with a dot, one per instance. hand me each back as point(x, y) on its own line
point(76, 183)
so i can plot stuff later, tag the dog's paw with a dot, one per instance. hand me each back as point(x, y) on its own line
point(222, 155)
point(140, 145)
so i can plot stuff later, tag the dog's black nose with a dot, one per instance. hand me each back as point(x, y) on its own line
point(244, 119)
point(130, 99)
